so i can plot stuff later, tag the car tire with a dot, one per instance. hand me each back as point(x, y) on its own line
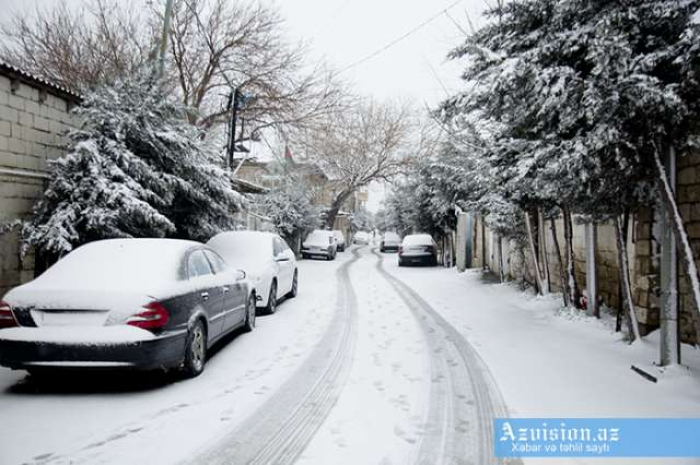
point(272, 299)
point(250, 314)
point(195, 350)
point(401, 263)
point(295, 285)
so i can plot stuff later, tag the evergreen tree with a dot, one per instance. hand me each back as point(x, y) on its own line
point(135, 168)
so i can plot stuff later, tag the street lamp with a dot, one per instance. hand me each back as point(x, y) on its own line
point(236, 101)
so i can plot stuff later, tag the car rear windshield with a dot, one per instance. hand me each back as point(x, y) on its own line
point(319, 237)
point(124, 265)
point(237, 248)
point(391, 237)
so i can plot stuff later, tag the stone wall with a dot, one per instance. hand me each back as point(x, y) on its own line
point(33, 120)
point(519, 266)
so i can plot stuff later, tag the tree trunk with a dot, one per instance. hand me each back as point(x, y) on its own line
point(623, 262)
point(591, 271)
point(483, 244)
point(686, 252)
point(544, 263)
point(572, 284)
point(335, 208)
point(500, 259)
point(533, 252)
point(562, 274)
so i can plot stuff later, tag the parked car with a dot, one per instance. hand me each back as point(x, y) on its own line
point(320, 244)
point(362, 238)
point(390, 242)
point(125, 303)
point(266, 258)
point(418, 248)
point(340, 239)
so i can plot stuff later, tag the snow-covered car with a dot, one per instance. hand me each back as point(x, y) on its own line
point(362, 238)
point(340, 239)
point(320, 243)
point(390, 242)
point(125, 303)
point(266, 258)
point(418, 248)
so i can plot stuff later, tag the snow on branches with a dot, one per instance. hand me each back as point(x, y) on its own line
point(135, 168)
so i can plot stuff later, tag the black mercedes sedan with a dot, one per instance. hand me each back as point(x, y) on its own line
point(125, 303)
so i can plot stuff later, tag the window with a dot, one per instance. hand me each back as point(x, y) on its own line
point(217, 263)
point(277, 246)
point(197, 265)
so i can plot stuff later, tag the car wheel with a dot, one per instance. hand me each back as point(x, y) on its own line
point(195, 351)
point(250, 314)
point(295, 285)
point(272, 299)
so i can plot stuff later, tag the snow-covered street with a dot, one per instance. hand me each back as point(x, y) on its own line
point(372, 363)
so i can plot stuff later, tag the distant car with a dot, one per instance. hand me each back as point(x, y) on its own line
point(390, 242)
point(125, 303)
point(418, 248)
point(362, 238)
point(266, 258)
point(320, 244)
point(340, 239)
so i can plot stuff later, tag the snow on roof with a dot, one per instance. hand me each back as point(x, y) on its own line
point(118, 264)
point(13, 72)
point(418, 239)
point(242, 248)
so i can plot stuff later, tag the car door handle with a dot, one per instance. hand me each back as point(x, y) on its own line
point(226, 289)
point(205, 295)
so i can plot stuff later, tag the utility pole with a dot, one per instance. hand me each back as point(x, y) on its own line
point(164, 37)
point(670, 345)
point(235, 101)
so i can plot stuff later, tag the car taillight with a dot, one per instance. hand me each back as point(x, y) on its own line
point(7, 318)
point(154, 316)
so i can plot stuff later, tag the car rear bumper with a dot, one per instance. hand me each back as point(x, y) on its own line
point(390, 248)
point(426, 258)
point(315, 253)
point(165, 351)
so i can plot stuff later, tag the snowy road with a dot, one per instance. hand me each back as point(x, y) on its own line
point(358, 368)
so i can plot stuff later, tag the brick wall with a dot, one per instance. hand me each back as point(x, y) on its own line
point(33, 121)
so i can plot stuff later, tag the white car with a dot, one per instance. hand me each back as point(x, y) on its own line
point(362, 238)
point(320, 243)
point(418, 248)
point(267, 259)
point(390, 242)
point(340, 239)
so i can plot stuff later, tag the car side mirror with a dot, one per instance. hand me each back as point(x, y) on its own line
point(240, 275)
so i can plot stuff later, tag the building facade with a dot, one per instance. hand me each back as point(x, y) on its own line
point(34, 118)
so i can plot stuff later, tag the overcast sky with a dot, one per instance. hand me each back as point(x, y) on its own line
point(344, 32)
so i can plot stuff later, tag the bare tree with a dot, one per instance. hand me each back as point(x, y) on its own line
point(214, 45)
point(368, 142)
point(78, 47)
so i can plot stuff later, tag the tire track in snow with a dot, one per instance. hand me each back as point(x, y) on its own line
point(464, 397)
point(279, 431)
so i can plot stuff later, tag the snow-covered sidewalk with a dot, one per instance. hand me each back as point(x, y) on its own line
point(550, 363)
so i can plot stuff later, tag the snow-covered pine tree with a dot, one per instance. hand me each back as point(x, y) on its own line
point(580, 95)
point(135, 168)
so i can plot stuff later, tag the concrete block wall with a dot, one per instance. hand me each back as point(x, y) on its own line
point(33, 123)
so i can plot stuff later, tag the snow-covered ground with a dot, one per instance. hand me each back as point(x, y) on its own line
point(361, 368)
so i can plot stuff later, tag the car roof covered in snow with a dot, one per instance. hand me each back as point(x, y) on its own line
point(239, 247)
point(120, 264)
point(421, 239)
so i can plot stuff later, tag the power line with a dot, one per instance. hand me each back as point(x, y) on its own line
point(399, 39)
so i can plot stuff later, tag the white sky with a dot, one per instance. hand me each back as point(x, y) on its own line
point(344, 32)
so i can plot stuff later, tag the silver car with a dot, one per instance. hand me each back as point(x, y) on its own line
point(418, 248)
